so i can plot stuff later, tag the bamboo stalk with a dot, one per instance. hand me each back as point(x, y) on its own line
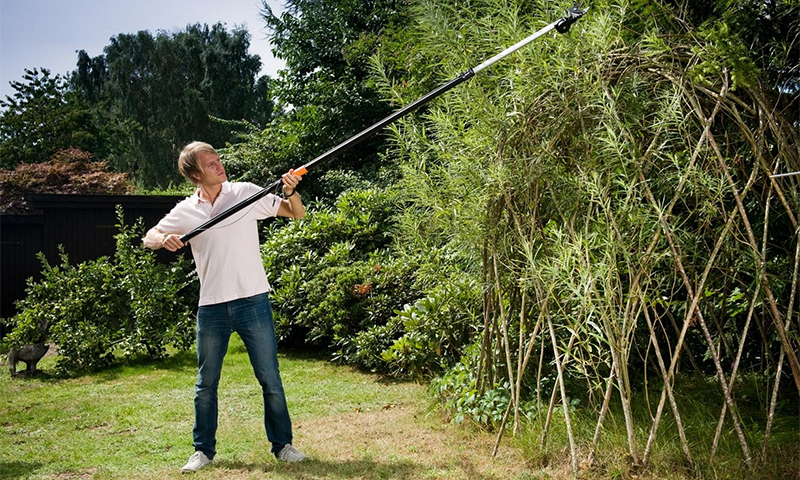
point(529, 349)
point(733, 372)
point(761, 268)
point(668, 391)
point(501, 430)
point(504, 340)
point(517, 385)
point(484, 353)
point(623, 385)
point(549, 417)
point(697, 369)
point(776, 387)
point(554, 393)
point(750, 311)
point(564, 402)
point(601, 418)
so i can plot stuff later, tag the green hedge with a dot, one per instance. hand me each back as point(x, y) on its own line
point(120, 306)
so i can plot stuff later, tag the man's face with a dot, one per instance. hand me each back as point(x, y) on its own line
point(213, 173)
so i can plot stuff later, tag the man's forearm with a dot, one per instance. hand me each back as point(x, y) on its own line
point(296, 206)
point(154, 239)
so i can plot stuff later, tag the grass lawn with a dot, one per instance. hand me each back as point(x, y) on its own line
point(135, 422)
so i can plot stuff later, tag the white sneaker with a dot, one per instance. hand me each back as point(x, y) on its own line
point(197, 461)
point(290, 454)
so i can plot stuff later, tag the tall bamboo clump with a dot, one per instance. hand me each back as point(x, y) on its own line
point(629, 231)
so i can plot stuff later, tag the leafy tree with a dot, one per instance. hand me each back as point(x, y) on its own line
point(769, 30)
point(263, 106)
point(326, 46)
point(90, 76)
point(325, 94)
point(44, 116)
point(165, 90)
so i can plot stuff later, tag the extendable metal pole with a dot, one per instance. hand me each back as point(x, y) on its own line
point(780, 175)
point(561, 25)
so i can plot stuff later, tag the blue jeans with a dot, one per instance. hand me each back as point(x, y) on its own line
point(251, 318)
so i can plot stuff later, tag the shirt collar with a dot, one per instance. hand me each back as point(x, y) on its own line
point(226, 188)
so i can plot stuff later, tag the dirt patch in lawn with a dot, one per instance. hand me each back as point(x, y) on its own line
point(404, 440)
point(400, 442)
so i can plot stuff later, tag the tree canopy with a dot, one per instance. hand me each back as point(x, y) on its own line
point(166, 89)
point(325, 94)
point(140, 101)
point(42, 117)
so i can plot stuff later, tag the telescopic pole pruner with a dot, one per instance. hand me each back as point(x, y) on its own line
point(781, 175)
point(561, 25)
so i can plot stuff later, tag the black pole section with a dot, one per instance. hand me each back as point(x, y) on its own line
point(354, 140)
point(561, 25)
point(368, 132)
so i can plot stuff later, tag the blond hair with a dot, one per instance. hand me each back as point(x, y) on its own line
point(187, 161)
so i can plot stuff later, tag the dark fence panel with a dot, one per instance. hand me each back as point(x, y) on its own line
point(84, 224)
point(20, 240)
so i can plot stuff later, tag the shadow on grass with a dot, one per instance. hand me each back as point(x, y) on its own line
point(14, 470)
point(311, 354)
point(185, 360)
point(366, 469)
point(313, 469)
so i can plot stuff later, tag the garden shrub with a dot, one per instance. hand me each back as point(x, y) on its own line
point(125, 305)
point(365, 348)
point(461, 396)
point(330, 272)
point(435, 329)
point(339, 284)
point(68, 171)
point(79, 308)
point(387, 287)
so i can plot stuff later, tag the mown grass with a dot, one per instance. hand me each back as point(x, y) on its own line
point(135, 422)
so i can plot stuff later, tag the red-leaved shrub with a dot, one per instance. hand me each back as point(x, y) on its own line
point(69, 171)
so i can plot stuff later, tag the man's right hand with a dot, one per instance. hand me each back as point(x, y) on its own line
point(156, 239)
point(172, 242)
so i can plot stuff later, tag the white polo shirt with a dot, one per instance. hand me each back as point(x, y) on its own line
point(227, 255)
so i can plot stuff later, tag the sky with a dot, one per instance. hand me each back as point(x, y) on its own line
point(49, 33)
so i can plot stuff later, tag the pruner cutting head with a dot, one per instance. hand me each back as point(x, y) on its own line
point(573, 14)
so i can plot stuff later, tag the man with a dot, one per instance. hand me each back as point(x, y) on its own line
point(233, 292)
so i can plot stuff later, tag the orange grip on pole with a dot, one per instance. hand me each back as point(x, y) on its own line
point(300, 171)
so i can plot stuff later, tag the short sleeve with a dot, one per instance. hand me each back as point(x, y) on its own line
point(174, 221)
point(267, 206)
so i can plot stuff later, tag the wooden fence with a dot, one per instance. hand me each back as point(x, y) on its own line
point(84, 225)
